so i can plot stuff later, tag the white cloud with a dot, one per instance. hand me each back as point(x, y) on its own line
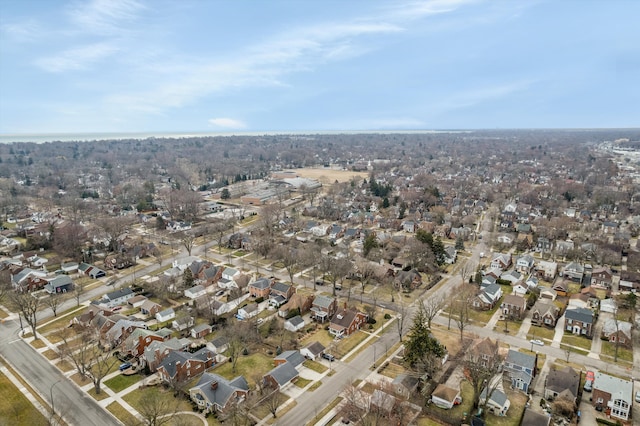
point(27, 30)
point(227, 123)
point(105, 16)
point(78, 58)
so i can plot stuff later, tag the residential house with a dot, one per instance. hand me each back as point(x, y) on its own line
point(620, 332)
point(295, 358)
point(136, 301)
point(294, 324)
point(501, 261)
point(548, 293)
point(546, 270)
point(579, 321)
point(445, 397)
point(195, 292)
point(512, 276)
point(608, 305)
point(347, 321)
point(524, 264)
point(28, 279)
point(248, 311)
point(323, 308)
point(91, 271)
point(613, 394)
point(574, 271)
point(579, 300)
point(182, 323)
point(158, 350)
point(312, 351)
point(260, 288)
point(533, 418)
point(408, 280)
point(544, 244)
point(280, 376)
point(214, 393)
point(561, 287)
point(166, 315)
point(520, 289)
point(297, 301)
point(220, 344)
point(513, 306)
point(150, 308)
point(487, 297)
point(59, 284)
point(409, 226)
point(602, 278)
point(180, 366)
point(485, 351)
point(119, 332)
point(139, 340)
point(545, 312)
point(521, 369)
point(280, 293)
point(199, 331)
point(405, 385)
point(118, 297)
point(559, 381)
point(498, 403)
point(450, 255)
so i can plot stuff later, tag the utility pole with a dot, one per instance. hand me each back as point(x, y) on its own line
point(53, 410)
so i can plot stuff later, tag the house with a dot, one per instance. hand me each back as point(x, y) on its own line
point(59, 284)
point(565, 380)
point(608, 305)
point(498, 403)
point(294, 324)
point(613, 394)
point(445, 397)
point(230, 274)
point(136, 343)
point(450, 255)
point(295, 358)
point(602, 277)
point(280, 376)
point(260, 288)
point(513, 306)
point(323, 308)
point(312, 350)
point(166, 315)
point(118, 297)
point(548, 293)
point(533, 418)
point(620, 332)
point(546, 270)
point(158, 350)
point(574, 271)
point(561, 287)
point(347, 321)
point(524, 264)
point(521, 369)
point(199, 331)
point(150, 308)
point(511, 276)
point(579, 321)
point(297, 301)
point(220, 344)
point(579, 300)
point(180, 366)
point(500, 261)
point(484, 352)
point(405, 384)
point(136, 301)
point(119, 331)
point(281, 290)
point(520, 289)
point(544, 312)
point(487, 297)
point(214, 393)
point(182, 323)
point(91, 271)
point(248, 311)
point(195, 292)
point(487, 280)
point(408, 280)
point(382, 402)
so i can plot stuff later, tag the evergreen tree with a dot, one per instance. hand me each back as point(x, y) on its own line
point(423, 352)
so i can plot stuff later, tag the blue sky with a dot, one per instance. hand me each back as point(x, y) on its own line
point(234, 66)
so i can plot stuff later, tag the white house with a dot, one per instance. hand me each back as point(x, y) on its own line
point(166, 315)
point(249, 311)
point(294, 324)
point(312, 350)
point(446, 397)
point(520, 289)
point(195, 292)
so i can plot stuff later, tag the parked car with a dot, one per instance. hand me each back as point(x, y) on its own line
point(124, 366)
point(638, 396)
point(219, 293)
point(318, 282)
point(328, 357)
point(260, 321)
point(588, 381)
point(538, 342)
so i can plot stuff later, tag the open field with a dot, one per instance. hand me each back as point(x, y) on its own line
point(328, 176)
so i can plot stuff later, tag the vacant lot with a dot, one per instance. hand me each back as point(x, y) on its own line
point(327, 176)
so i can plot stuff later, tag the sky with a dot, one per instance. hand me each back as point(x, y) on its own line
point(313, 65)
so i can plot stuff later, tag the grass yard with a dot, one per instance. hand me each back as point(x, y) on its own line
point(466, 392)
point(50, 354)
point(425, 421)
point(518, 401)
point(577, 341)
point(165, 396)
point(314, 386)
point(573, 349)
point(482, 317)
point(544, 333)
point(392, 370)
point(345, 345)
point(302, 383)
point(121, 382)
point(315, 366)
point(80, 380)
point(262, 410)
point(64, 366)
point(449, 338)
point(247, 366)
point(98, 397)
point(15, 408)
point(186, 419)
point(37, 344)
point(123, 415)
point(624, 354)
point(321, 335)
point(3, 314)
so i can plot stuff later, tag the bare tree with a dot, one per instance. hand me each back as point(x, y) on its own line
point(188, 241)
point(112, 229)
point(155, 409)
point(481, 364)
point(53, 302)
point(273, 401)
point(290, 257)
point(5, 284)
point(28, 305)
point(102, 361)
point(401, 317)
point(432, 306)
point(461, 309)
point(76, 346)
point(78, 291)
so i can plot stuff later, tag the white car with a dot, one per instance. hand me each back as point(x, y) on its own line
point(538, 342)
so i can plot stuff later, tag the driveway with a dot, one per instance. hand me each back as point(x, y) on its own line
point(557, 337)
point(524, 328)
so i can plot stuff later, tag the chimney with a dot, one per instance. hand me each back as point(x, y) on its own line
point(345, 305)
point(214, 384)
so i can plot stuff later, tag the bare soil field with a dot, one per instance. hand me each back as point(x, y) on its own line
point(328, 176)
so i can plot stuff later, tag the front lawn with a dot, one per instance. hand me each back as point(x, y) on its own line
point(347, 344)
point(545, 333)
point(247, 366)
point(315, 366)
point(624, 354)
point(302, 383)
point(15, 408)
point(121, 382)
point(123, 415)
point(577, 341)
point(162, 396)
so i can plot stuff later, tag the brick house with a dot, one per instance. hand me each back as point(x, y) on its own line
point(613, 394)
point(214, 393)
point(579, 321)
point(139, 340)
point(602, 277)
point(620, 333)
point(513, 306)
point(544, 313)
point(179, 366)
point(347, 321)
point(260, 288)
point(323, 308)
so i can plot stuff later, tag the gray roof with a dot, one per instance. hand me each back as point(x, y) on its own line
point(617, 388)
point(532, 418)
point(492, 289)
point(224, 388)
point(59, 281)
point(497, 396)
point(261, 283)
point(119, 293)
point(579, 314)
point(283, 373)
point(281, 287)
point(166, 312)
point(565, 379)
point(609, 327)
point(293, 357)
point(169, 363)
point(323, 301)
point(521, 359)
point(295, 321)
point(315, 348)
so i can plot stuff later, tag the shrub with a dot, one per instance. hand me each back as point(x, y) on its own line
point(387, 316)
point(260, 299)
